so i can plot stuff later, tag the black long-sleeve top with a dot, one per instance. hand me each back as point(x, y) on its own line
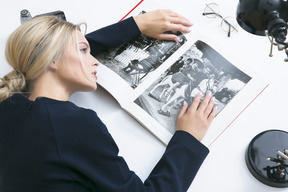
point(49, 145)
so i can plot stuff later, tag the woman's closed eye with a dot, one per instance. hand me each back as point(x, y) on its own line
point(84, 50)
point(84, 47)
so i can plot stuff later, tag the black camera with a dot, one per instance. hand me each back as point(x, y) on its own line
point(276, 26)
point(25, 15)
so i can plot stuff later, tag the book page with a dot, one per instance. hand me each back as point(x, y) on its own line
point(151, 79)
point(133, 63)
point(199, 69)
point(125, 68)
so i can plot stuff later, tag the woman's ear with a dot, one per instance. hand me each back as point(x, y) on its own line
point(53, 66)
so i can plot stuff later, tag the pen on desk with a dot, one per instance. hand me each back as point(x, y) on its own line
point(274, 160)
point(282, 155)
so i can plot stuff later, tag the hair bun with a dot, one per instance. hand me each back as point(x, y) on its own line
point(13, 82)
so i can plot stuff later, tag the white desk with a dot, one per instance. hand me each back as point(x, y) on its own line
point(225, 168)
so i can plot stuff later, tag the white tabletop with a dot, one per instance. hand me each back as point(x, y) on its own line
point(224, 169)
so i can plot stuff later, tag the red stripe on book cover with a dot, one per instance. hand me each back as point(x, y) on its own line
point(238, 115)
point(131, 10)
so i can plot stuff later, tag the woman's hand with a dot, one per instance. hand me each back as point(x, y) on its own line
point(196, 120)
point(155, 23)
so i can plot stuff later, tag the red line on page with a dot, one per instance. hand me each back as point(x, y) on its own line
point(238, 115)
point(131, 10)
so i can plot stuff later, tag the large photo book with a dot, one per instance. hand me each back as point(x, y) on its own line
point(150, 79)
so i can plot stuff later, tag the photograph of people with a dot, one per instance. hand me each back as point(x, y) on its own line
point(200, 70)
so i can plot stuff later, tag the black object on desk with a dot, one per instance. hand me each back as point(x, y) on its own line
point(265, 17)
point(263, 161)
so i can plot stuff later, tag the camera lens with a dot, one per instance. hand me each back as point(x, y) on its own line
point(276, 26)
point(24, 13)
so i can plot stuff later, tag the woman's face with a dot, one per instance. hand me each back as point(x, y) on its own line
point(77, 71)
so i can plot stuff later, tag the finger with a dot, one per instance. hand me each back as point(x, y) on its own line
point(181, 21)
point(195, 102)
point(183, 109)
point(176, 27)
point(209, 108)
point(168, 37)
point(212, 114)
point(205, 102)
point(179, 27)
point(177, 18)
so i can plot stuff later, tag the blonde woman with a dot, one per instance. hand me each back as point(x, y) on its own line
point(49, 144)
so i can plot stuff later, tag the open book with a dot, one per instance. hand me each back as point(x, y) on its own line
point(150, 79)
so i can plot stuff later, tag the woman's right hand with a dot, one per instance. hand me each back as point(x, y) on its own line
point(196, 120)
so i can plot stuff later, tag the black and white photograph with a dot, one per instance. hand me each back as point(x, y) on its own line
point(199, 70)
point(135, 60)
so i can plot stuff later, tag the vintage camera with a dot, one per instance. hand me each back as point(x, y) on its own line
point(276, 26)
point(25, 15)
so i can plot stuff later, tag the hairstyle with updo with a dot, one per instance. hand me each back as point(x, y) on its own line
point(31, 48)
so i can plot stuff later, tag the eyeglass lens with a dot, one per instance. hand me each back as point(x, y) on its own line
point(211, 10)
point(228, 24)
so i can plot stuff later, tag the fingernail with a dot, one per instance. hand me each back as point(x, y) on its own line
point(189, 22)
point(187, 30)
point(184, 103)
point(177, 39)
point(209, 93)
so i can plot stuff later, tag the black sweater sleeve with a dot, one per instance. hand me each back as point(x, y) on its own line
point(94, 154)
point(112, 36)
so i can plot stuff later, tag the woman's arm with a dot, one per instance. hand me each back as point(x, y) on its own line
point(112, 36)
point(152, 24)
point(92, 152)
point(92, 157)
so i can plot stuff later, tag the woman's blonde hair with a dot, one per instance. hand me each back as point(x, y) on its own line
point(31, 48)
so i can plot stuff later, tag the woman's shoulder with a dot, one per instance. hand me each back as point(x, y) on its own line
point(69, 117)
point(47, 106)
point(65, 109)
point(20, 100)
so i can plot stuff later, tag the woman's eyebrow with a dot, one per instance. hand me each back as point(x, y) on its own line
point(84, 43)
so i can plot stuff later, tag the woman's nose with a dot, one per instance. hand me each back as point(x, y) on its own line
point(95, 61)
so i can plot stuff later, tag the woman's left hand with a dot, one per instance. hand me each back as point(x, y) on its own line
point(155, 23)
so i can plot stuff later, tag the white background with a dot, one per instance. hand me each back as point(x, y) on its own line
point(224, 169)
